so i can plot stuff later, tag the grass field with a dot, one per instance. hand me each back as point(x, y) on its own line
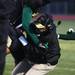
point(66, 65)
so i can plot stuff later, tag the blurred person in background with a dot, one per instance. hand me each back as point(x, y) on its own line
point(6, 7)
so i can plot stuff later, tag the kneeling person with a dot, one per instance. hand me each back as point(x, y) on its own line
point(43, 55)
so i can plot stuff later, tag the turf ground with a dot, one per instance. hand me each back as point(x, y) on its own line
point(66, 65)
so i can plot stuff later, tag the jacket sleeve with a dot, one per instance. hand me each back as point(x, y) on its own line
point(53, 53)
point(26, 19)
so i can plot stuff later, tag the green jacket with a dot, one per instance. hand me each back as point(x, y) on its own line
point(26, 19)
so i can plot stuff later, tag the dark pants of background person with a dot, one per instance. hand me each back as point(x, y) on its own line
point(6, 7)
point(3, 42)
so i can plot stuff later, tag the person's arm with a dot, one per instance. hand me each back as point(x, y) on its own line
point(26, 19)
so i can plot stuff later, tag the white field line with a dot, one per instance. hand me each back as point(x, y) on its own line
point(65, 68)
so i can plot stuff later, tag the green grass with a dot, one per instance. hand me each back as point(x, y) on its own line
point(66, 65)
point(65, 25)
point(9, 65)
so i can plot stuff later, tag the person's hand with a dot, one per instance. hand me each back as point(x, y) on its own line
point(7, 51)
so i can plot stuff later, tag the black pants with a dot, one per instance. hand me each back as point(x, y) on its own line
point(3, 41)
point(6, 7)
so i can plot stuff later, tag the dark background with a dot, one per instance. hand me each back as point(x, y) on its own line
point(61, 7)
